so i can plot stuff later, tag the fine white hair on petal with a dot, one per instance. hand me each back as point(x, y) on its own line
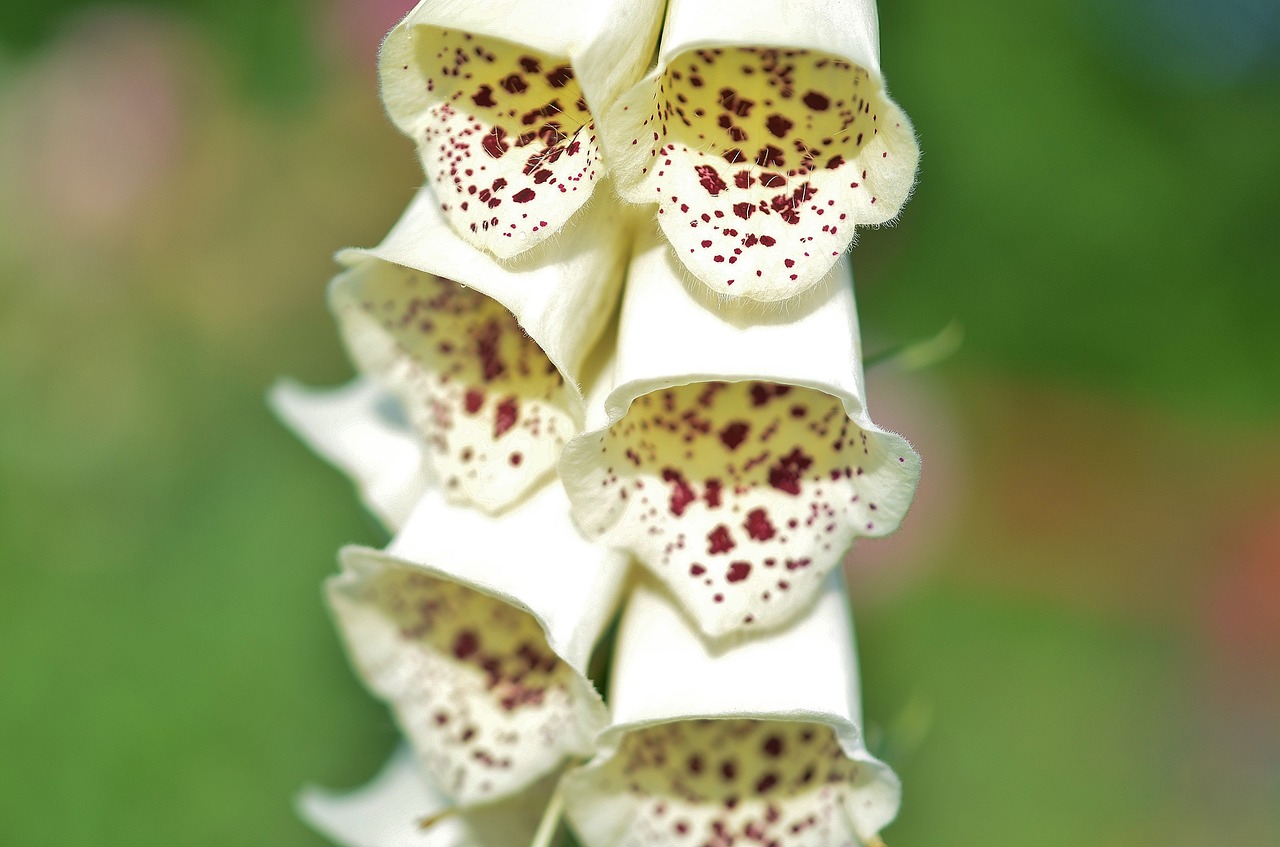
point(503, 98)
point(391, 809)
point(765, 135)
point(477, 631)
point(362, 430)
point(758, 741)
point(486, 357)
point(735, 458)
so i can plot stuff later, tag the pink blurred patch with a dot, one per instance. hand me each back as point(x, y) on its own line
point(101, 123)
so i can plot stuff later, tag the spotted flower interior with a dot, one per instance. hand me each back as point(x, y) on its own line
point(721, 782)
point(492, 408)
point(485, 702)
point(762, 161)
point(507, 142)
point(740, 496)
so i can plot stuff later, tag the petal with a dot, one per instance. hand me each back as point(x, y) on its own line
point(736, 460)
point(485, 358)
point(362, 430)
point(500, 102)
point(764, 149)
point(389, 810)
point(756, 743)
point(477, 631)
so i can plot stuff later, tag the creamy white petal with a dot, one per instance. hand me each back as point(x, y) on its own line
point(759, 741)
point(486, 357)
point(477, 631)
point(390, 809)
point(733, 455)
point(502, 99)
point(765, 135)
point(361, 429)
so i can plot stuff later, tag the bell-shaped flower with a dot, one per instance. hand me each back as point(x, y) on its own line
point(400, 807)
point(765, 135)
point(477, 631)
point(757, 743)
point(360, 428)
point(502, 100)
point(733, 455)
point(487, 358)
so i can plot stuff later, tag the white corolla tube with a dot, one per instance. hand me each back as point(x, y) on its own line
point(488, 358)
point(477, 632)
point(503, 100)
point(735, 458)
point(765, 135)
point(756, 743)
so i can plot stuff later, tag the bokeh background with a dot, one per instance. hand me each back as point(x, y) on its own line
point(1074, 640)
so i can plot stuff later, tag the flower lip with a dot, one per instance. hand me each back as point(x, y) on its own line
point(737, 462)
point(480, 643)
point(361, 429)
point(503, 103)
point(764, 147)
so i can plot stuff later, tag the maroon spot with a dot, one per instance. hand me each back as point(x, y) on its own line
point(768, 240)
point(734, 434)
point(560, 77)
point(773, 746)
point(706, 242)
point(738, 571)
point(524, 195)
point(785, 474)
point(710, 180)
point(696, 570)
point(778, 125)
point(508, 412)
point(541, 176)
point(495, 143)
point(483, 96)
point(466, 644)
point(743, 179)
point(681, 494)
point(718, 541)
point(695, 764)
point(515, 459)
point(743, 210)
point(769, 156)
point(473, 400)
point(729, 769)
point(766, 782)
point(763, 392)
point(758, 525)
point(817, 102)
point(514, 84)
point(712, 493)
point(836, 161)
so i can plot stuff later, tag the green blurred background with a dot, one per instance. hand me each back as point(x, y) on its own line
point(1074, 640)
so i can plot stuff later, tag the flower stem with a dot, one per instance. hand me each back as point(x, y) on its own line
point(550, 820)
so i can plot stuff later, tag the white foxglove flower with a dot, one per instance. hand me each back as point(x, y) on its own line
point(759, 743)
point(502, 99)
point(486, 357)
point(360, 428)
point(394, 808)
point(477, 631)
point(765, 135)
point(735, 457)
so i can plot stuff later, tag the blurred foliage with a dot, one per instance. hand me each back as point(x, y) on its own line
point(1073, 640)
